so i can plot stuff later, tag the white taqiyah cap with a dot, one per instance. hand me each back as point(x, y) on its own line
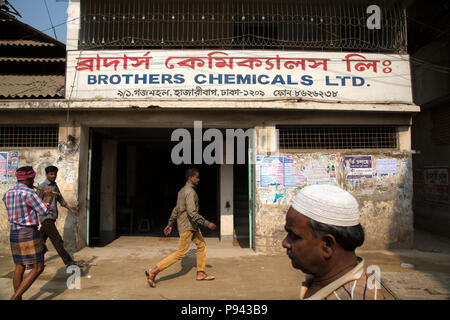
point(327, 204)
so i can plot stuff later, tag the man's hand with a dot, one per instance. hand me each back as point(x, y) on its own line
point(211, 226)
point(74, 212)
point(167, 230)
point(47, 195)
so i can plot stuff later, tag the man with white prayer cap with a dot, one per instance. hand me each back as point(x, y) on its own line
point(323, 232)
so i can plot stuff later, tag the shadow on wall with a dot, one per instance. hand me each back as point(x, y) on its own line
point(71, 229)
point(401, 229)
point(386, 204)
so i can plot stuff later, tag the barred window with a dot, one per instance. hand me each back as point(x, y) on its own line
point(241, 24)
point(38, 136)
point(337, 137)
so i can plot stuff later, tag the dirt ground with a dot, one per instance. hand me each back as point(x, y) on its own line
point(117, 272)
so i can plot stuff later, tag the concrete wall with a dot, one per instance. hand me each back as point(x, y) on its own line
point(392, 220)
point(66, 158)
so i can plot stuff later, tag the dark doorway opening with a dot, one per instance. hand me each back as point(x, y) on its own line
point(147, 183)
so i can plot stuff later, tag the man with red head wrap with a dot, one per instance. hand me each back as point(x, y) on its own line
point(23, 206)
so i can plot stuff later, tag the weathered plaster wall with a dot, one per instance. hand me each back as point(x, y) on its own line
point(385, 201)
point(66, 158)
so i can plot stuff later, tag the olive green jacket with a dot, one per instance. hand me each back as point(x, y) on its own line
point(186, 211)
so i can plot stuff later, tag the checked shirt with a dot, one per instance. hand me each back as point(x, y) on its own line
point(23, 206)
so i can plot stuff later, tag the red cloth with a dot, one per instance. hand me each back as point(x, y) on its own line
point(24, 175)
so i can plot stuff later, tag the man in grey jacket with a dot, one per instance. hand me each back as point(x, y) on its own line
point(188, 222)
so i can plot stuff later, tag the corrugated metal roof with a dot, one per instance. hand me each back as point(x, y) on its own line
point(32, 43)
point(15, 59)
point(31, 86)
point(32, 62)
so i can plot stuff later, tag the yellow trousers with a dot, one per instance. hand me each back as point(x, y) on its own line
point(183, 245)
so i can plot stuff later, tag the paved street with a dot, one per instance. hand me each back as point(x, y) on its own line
point(117, 272)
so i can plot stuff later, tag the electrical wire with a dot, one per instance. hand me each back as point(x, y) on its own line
point(50, 18)
point(414, 60)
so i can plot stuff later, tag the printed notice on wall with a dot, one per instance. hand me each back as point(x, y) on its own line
point(293, 177)
point(3, 167)
point(317, 173)
point(386, 166)
point(332, 165)
point(358, 167)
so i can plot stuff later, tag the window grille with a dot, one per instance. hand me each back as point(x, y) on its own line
point(28, 136)
point(242, 24)
point(316, 137)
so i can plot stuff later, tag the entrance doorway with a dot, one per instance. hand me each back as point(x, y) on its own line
point(146, 183)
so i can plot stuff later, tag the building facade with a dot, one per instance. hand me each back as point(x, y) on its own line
point(263, 97)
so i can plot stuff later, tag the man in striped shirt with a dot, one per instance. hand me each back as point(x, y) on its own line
point(323, 232)
point(23, 206)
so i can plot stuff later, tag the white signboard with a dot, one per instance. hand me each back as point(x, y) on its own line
point(254, 75)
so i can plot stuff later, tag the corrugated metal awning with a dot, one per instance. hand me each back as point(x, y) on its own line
point(27, 43)
point(17, 59)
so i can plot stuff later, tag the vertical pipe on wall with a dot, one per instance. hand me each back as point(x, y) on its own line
point(250, 196)
point(88, 197)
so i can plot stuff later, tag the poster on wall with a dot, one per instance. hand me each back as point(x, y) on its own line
point(3, 167)
point(317, 173)
point(332, 165)
point(293, 177)
point(279, 170)
point(272, 171)
point(13, 165)
point(9, 162)
point(358, 167)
